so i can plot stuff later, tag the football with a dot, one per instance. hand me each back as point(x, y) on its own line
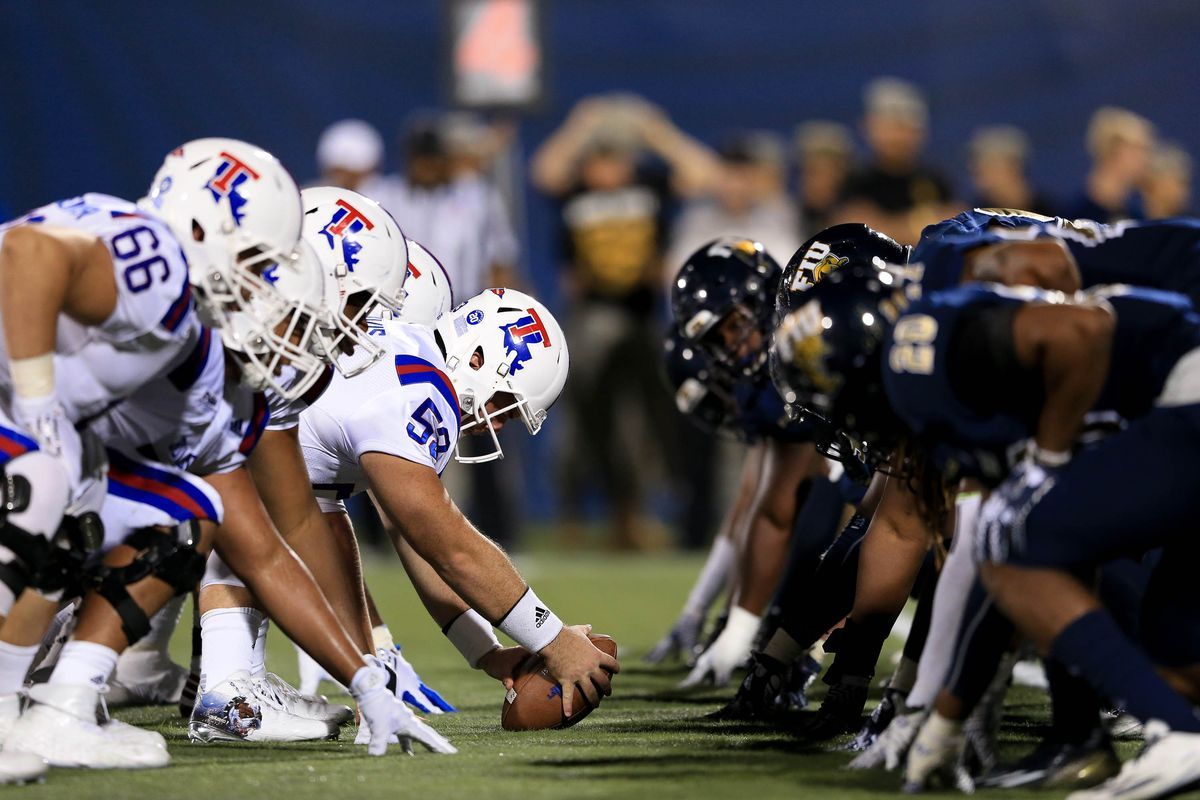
point(535, 701)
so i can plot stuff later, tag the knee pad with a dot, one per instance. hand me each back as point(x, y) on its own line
point(218, 572)
point(168, 554)
point(76, 545)
point(34, 491)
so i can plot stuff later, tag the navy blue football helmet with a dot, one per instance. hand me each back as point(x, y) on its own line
point(827, 356)
point(703, 391)
point(723, 299)
point(837, 247)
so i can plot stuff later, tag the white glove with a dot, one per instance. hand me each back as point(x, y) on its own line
point(409, 686)
point(890, 749)
point(936, 755)
point(46, 422)
point(679, 641)
point(385, 716)
point(728, 652)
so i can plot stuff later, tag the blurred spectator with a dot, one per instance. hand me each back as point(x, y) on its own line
point(824, 153)
point(612, 218)
point(895, 193)
point(747, 199)
point(1119, 142)
point(999, 155)
point(349, 155)
point(1167, 189)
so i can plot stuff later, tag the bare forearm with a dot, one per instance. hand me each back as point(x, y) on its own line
point(762, 563)
point(34, 276)
point(442, 603)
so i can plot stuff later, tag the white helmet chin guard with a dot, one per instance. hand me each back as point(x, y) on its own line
point(235, 211)
point(504, 348)
point(279, 339)
point(427, 292)
point(365, 256)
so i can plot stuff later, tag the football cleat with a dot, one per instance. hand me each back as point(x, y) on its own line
point(305, 706)
point(10, 712)
point(21, 768)
point(882, 716)
point(1167, 765)
point(146, 678)
point(841, 711)
point(1058, 765)
point(243, 709)
point(760, 695)
point(60, 727)
point(799, 678)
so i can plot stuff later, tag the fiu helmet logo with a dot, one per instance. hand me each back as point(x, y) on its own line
point(816, 264)
point(347, 220)
point(226, 182)
point(522, 333)
point(802, 345)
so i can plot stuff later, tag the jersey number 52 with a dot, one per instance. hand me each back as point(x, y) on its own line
point(426, 429)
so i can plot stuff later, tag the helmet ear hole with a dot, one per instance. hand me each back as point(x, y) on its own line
point(477, 359)
point(197, 231)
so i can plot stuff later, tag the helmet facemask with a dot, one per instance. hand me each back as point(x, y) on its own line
point(506, 402)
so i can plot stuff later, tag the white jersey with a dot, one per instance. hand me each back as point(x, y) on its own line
point(145, 333)
point(192, 417)
point(403, 405)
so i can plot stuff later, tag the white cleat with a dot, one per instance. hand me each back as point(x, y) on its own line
point(1167, 765)
point(146, 678)
point(310, 707)
point(21, 768)
point(60, 727)
point(242, 709)
point(10, 712)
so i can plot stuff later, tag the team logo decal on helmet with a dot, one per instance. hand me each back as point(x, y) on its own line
point(522, 333)
point(347, 220)
point(230, 175)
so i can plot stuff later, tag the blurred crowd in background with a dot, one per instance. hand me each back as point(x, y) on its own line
point(635, 196)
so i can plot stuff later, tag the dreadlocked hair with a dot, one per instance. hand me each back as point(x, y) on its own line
point(933, 494)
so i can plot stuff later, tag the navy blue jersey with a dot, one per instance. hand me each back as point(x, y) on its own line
point(974, 434)
point(1162, 254)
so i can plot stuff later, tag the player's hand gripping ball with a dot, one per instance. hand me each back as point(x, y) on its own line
point(535, 701)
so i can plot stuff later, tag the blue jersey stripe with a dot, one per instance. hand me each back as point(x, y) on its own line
point(166, 491)
point(411, 369)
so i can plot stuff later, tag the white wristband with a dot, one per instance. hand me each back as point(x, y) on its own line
point(33, 377)
point(530, 623)
point(472, 635)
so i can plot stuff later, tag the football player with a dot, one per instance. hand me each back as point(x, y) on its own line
point(974, 371)
point(723, 304)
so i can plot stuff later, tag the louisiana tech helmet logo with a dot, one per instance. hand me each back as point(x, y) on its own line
point(519, 335)
point(347, 221)
point(226, 183)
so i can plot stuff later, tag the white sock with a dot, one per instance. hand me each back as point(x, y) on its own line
point(15, 662)
point(258, 656)
point(228, 636)
point(949, 599)
point(712, 577)
point(162, 627)
point(381, 637)
point(84, 664)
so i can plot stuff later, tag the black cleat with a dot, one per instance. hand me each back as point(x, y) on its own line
point(1057, 765)
point(795, 686)
point(891, 704)
point(759, 696)
point(841, 712)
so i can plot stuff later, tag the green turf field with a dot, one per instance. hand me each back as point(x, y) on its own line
point(647, 741)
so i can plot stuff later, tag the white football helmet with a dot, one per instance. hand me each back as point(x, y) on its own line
point(365, 255)
point(427, 293)
point(279, 340)
point(235, 211)
point(503, 342)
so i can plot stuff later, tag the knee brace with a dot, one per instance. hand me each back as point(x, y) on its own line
point(63, 573)
point(167, 554)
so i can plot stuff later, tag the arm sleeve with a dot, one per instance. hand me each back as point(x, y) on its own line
point(982, 363)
